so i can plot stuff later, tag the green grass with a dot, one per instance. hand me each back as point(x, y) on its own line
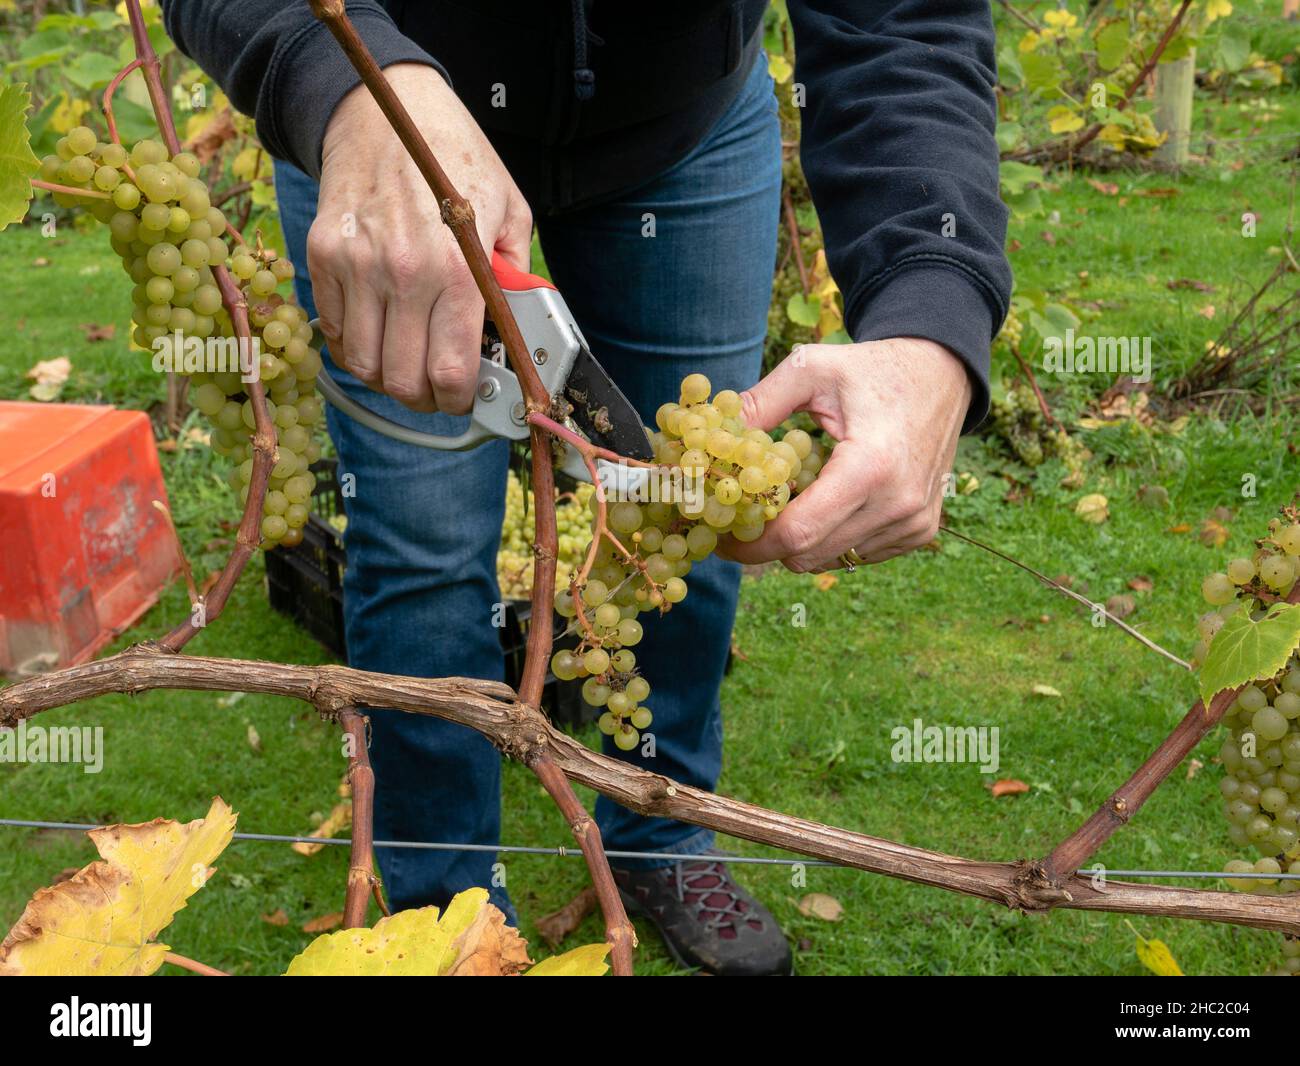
point(953, 637)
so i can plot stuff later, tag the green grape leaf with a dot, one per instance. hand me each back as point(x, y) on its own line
point(1042, 71)
point(1015, 177)
point(90, 70)
point(1244, 650)
point(803, 310)
point(18, 164)
point(1233, 47)
point(1112, 45)
point(1009, 135)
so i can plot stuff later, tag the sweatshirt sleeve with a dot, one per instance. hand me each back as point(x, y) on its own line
point(281, 65)
point(899, 151)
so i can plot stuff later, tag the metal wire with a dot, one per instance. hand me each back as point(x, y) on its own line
point(571, 853)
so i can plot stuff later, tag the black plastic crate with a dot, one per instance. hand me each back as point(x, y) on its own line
point(305, 582)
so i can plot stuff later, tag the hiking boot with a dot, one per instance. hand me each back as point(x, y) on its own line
point(707, 920)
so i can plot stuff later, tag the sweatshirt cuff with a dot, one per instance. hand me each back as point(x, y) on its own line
point(940, 305)
point(309, 74)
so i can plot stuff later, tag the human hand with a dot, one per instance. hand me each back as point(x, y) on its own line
point(395, 297)
point(896, 408)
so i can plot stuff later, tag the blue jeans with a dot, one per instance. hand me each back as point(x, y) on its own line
point(423, 526)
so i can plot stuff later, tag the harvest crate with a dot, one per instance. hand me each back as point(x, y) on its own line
point(86, 552)
point(305, 582)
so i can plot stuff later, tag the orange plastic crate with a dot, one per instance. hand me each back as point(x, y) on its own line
point(83, 551)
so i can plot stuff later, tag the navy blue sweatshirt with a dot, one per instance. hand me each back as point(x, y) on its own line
point(898, 121)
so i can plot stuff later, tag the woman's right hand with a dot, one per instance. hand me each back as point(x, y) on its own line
point(394, 295)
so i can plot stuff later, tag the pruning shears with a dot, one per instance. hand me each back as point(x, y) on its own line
point(564, 363)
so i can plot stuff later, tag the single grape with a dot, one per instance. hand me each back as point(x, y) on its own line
point(727, 402)
point(674, 590)
point(164, 258)
point(1277, 572)
point(1289, 539)
point(1218, 589)
point(126, 196)
point(625, 517)
point(595, 692)
point(82, 140)
point(596, 661)
point(695, 388)
point(625, 738)
point(1241, 571)
point(564, 665)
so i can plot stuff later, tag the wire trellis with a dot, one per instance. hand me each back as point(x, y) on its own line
point(572, 852)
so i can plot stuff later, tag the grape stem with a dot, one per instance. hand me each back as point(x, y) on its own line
point(147, 59)
point(362, 882)
point(578, 581)
point(264, 439)
point(584, 447)
point(201, 968)
point(71, 190)
point(458, 215)
point(106, 105)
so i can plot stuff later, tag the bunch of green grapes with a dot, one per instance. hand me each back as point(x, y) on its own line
point(1018, 419)
point(1261, 755)
point(1012, 330)
point(745, 479)
point(169, 237)
point(515, 556)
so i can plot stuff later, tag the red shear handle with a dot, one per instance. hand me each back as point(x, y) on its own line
point(513, 279)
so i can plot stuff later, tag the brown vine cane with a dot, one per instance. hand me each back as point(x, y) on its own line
point(458, 214)
point(524, 734)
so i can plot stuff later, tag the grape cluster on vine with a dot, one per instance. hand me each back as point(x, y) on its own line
point(1018, 419)
point(170, 237)
point(515, 556)
point(1261, 754)
point(639, 563)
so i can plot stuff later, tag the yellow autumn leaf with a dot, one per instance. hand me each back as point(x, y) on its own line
point(1093, 508)
point(779, 68)
point(1217, 9)
point(469, 939)
point(822, 286)
point(1155, 955)
point(68, 114)
point(102, 921)
point(1062, 119)
point(245, 165)
point(586, 961)
point(1060, 19)
point(417, 942)
point(1030, 41)
point(1112, 136)
point(201, 120)
point(336, 822)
